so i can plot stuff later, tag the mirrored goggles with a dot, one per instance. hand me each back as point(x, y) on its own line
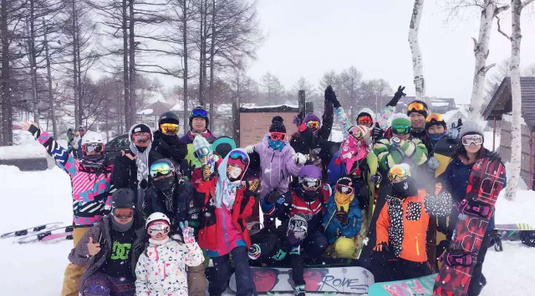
point(160, 169)
point(401, 129)
point(344, 189)
point(311, 183)
point(199, 113)
point(169, 128)
point(416, 106)
point(203, 151)
point(313, 124)
point(123, 213)
point(472, 140)
point(158, 228)
point(434, 117)
point(239, 155)
point(277, 136)
point(93, 147)
point(365, 120)
point(141, 138)
point(397, 172)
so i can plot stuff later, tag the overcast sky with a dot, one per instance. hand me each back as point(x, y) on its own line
point(309, 37)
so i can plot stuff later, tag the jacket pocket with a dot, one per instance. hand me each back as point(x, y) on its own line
point(414, 211)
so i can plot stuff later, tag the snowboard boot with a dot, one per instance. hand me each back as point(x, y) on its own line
point(299, 290)
point(254, 252)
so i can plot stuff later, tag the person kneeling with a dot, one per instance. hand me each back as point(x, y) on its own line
point(400, 252)
point(161, 269)
point(111, 249)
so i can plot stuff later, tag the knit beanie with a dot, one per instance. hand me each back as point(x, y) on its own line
point(277, 125)
point(470, 127)
point(200, 142)
point(311, 117)
point(429, 124)
point(423, 112)
point(140, 128)
point(400, 119)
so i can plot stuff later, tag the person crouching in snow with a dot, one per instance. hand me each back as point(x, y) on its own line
point(278, 162)
point(229, 235)
point(400, 251)
point(343, 219)
point(161, 269)
point(111, 249)
point(301, 233)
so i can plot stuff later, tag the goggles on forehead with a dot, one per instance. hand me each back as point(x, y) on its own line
point(160, 169)
point(397, 172)
point(472, 140)
point(401, 129)
point(364, 120)
point(310, 182)
point(199, 113)
point(277, 136)
point(203, 151)
point(416, 106)
point(123, 213)
point(141, 137)
point(434, 117)
point(237, 154)
point(313, 124)
point(93, 147)
point(158, 228)
point(169, 128)
point(344, 189)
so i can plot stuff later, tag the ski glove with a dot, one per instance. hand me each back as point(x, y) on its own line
point(331, 97)
point(433, 163)
point(377, 132)
point(452, 133)
point(253, 186)
point(376, 179)
point(383, 246)
point(279, 256)
point(249, 149)
point(343, 217)
point(187, 233)
point(394, 101)
point(300, 158)
point(298, 121)
point(274, 197)
point(206, 173)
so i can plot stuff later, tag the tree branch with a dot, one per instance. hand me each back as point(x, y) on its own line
point(500, 29)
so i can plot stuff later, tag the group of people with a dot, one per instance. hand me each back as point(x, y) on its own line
point(172, 212)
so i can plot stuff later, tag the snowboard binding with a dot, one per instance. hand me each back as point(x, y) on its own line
point(473, 208)
point(458, 258)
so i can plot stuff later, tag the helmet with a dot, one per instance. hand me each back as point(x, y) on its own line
point(168, 117)
point(123, 198)
point(92, 141)
point(199, 112)
point(161, 167)
point(310, 171)
point(157, 216)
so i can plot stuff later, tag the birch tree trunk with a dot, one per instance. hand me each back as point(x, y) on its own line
point(49, 80)
point(76, 93)
point(212, 54)
point(516, 124)
point(185, 16)
point(126, 81)
point(417, 63)
point(132, 69)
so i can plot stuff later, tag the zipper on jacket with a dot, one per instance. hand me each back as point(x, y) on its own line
point(417, 247)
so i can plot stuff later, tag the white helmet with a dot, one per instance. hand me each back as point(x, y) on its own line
point(157, 216)
point(92, 137)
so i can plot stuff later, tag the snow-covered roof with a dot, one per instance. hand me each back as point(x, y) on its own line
point(145, 112)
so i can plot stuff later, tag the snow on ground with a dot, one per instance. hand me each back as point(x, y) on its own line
point(33, 198)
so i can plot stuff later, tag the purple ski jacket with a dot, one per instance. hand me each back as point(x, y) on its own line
point(277, 167)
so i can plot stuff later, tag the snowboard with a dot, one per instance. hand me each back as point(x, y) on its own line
point(514, 232)
point(422, 286)
point(485, 183)
point(443, 151)
point(64, 232)
point(352, 280)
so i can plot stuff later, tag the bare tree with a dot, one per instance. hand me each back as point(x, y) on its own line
point(516, 125)
point(417, 63)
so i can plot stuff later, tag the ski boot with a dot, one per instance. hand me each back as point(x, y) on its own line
point(299, 290)
point(458, 258)
point(254, 252)
point(474, 208)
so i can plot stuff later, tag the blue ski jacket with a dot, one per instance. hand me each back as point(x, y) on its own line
point(333, 227)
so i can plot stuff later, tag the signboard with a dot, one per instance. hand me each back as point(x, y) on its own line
point(255, 123)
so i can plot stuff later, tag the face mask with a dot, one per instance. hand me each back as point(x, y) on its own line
point(418, 130)
point(404, 188)
point(121, 227)
point(342, 199)
point(436, 137)
point(166, 185)
point(233, 172)
point(276, 144)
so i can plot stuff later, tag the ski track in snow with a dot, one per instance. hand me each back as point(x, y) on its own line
point(33, 198)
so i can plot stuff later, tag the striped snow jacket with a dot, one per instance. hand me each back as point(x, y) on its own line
point(90, 186)
point(412, 151)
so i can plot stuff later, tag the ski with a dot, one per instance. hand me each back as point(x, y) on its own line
point(42, 235)
point(57, 237)
point(30, 230)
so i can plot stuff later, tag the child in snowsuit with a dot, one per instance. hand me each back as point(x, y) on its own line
point(278, 162)
point(90, 181)
point(343, 219)
point(161, 269)
point(225, 229)
point(400, 251)
point(301, 233)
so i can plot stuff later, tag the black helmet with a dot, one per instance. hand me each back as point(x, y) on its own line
point(123, 198)
point(168, 117)
point(199, 112)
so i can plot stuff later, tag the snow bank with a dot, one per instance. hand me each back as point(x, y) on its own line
point(29, 150)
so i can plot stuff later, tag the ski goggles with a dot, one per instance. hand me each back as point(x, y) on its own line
point(199, 113)
point(365, 120)
point(416, 106)
point(239, 155)
point(313, 124)
point(310, 183)
point(158, 228)
point(160, 169)
point(169, 128)
point(203, 151)
point(397, 172)
point(434, 117)
point(277, 136)
point(344, 189)
point(123, 213)
point(93, 147)
point(401, 129)
point(141, 138)
point(472, 140)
